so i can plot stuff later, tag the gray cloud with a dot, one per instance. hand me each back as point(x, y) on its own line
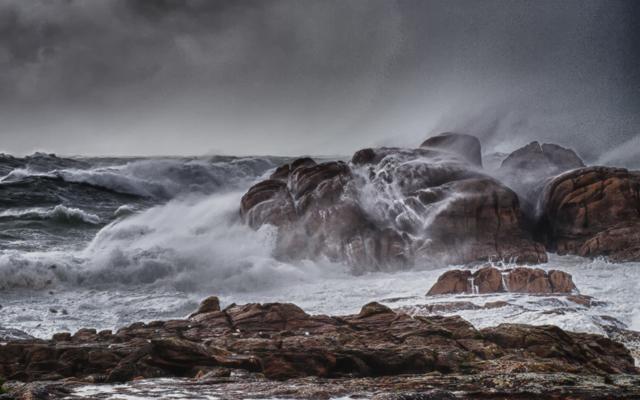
point(289, 77)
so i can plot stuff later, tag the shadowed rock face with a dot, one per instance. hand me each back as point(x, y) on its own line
point(547, 159)
point(393, 207)
point(493, 280)
point(527, 169)
point(281, 341)
point(592, 212)
point(467, 146)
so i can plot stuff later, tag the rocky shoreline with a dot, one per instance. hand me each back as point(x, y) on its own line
point(389, 209)
point(382, 347)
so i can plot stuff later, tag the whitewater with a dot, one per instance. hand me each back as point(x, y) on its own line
point(104, 242)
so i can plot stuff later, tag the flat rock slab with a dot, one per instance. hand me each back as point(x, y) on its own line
point(280, 341)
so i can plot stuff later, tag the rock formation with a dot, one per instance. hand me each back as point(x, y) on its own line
point(527, 169)
point(544, 160)
point(493, 280)
point(593, 212)
point(393, 207)
point(467, 146)
point(281, 341)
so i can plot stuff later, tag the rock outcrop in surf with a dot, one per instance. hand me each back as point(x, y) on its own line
point(512, 280)
point(394, 207)
point(593, 211)
point(528, 169)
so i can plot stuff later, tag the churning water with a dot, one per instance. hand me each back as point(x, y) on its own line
point(106, 242)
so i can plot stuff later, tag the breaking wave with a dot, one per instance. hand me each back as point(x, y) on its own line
point(59, 213)
point(154, 178)
point(187, 244)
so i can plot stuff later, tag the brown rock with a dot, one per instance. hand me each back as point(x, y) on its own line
point(210, 304)
point(285, 170)
point(488, 280)
point(268, 202)
point(454, 281)
point(527, 280)
point(401, 207)
point(482, 221)
point(527, 170)
point(281, 341)
point(593, 212)
point(561, 282)
point(374, 308)
point(492, 280)
point(581, 299)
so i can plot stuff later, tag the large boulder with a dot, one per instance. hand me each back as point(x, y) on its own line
point(492, 280)
point(593, 212)
point(467, 146)
point(392, 207)
point(547, 158)
point(479, 219)
point(528, 168)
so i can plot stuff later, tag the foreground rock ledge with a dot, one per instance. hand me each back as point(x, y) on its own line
point(280, 341)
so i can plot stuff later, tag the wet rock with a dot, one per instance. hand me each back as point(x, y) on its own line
point(281, 341)
point(582, 299)
point(575, 349)
point(493, 280)
point(527, 169)
point(441, 308)
point(7, 334)
point(467, 146)
point(547, 159)
point(527, 385)
point(393, 207)
point(210, 304)
point(285, 170)
point(495, 304)
point(61, 337)
point(525, 280)
point(454, 281)
point(480, 220)
point(373, 309)
point(593, 212)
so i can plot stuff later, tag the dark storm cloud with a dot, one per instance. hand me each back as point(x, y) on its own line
point(289, 76)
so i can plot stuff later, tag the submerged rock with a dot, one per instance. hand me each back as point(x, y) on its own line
point(593, 212)
point(493, 280)
point(392, 207)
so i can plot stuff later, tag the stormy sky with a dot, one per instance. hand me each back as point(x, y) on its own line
point(289, 77)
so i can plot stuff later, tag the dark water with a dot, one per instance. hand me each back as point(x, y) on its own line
point(49, 202)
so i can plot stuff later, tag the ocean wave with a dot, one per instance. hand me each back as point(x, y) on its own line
point(189, 244)
point(155, 178)
point(59, 213)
